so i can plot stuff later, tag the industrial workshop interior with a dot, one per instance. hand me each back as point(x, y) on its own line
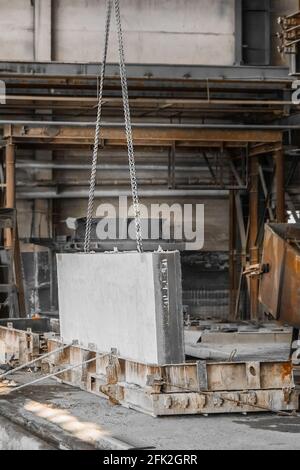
point(150, 227)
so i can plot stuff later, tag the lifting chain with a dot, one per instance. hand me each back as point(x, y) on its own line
point(128, 130)
point(89, 217)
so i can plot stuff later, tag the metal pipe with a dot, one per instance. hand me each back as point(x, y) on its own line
point(103, 166)
point(102, 193)
point(150, 125)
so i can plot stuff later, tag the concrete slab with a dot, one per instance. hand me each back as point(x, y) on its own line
point(128, 301)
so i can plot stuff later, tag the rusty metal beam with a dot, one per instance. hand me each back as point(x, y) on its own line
point(155, 103)
point(10, 195)
point(232, 255)
point(11, 234)
point(142, 135)
point(263, 148)
point(10, 175)
point(253, 233)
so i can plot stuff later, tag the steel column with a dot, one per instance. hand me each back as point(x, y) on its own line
point(10, 175)
point(279, 183)
point(10, 187)
point(11, 235)
point(253, 232)
point(232, 254)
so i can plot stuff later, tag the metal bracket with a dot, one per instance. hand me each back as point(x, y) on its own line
point(202, 376)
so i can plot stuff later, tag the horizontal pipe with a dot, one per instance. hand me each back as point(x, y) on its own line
point(102, 193)
point(72, 100)
point(181, 183)
point(103, 166)
point(150, 125)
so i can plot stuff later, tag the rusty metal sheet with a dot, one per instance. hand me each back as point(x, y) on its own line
point(273, 255)
point(280, 287)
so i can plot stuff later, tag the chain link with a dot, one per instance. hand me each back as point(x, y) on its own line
point(89, 217)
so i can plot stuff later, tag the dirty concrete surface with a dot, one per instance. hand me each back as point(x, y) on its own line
point(37, 404)
point(13, 437)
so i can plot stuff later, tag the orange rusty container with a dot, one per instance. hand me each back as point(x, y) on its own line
point(279, 290)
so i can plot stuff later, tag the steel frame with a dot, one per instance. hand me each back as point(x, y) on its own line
point(253, 142)
point(193, 92)
point(145, 71)
point(190, 388)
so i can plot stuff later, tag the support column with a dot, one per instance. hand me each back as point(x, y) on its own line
point(42, 30)
point(279, 186)
point(232, 254)
point(10, 175)
point(11, 235)
point(10, 188)
point(253, 232)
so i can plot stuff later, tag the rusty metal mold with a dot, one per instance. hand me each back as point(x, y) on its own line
point(18, 346)
point(189, 388)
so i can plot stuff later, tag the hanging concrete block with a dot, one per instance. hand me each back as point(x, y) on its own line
point(128, 301)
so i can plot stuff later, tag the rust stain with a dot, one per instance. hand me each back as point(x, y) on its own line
point(280, 287)
point(286, 370)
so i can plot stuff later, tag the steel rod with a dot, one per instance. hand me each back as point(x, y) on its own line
point(150, 125)
point(27, 364)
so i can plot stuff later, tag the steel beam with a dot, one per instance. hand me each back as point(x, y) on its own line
point(101, 193)
point(146, 125)
point(147, 71)
point(150, 134)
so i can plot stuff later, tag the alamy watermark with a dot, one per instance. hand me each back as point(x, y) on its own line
point(176, 222)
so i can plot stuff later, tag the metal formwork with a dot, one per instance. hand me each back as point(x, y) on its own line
point(179, 389)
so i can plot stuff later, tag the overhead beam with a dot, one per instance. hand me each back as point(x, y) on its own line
point(148, 71)
point(142, 135)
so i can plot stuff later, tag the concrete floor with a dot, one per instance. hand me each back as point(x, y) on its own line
point(14, 437)
point(67, 417)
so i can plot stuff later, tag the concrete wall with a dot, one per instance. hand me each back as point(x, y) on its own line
point(16, 30)
point(155, 31)
point(169, 31)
